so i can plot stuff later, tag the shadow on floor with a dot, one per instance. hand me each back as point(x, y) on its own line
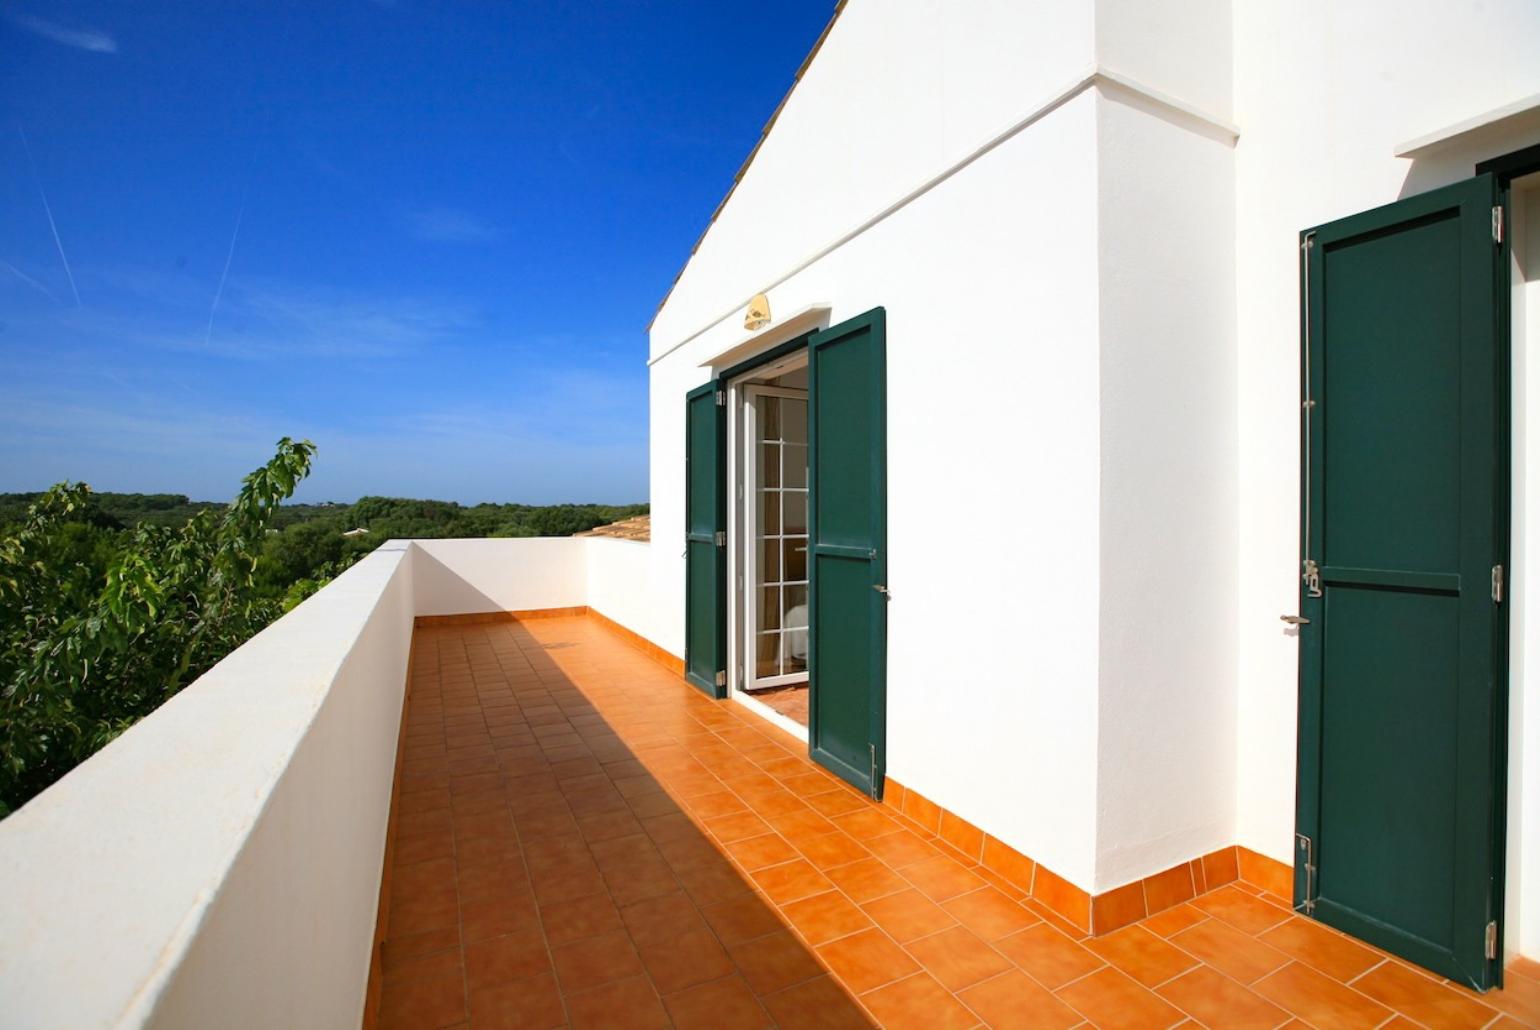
point(540, 875)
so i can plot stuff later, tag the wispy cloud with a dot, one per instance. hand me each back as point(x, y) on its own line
point(80, 39)
point(25, 278)
point(48, 210)
point(219, 291)
point(447, 225)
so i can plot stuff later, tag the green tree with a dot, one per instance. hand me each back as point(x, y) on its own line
point(87, 652)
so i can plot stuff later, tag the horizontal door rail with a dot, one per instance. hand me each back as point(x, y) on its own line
point(843, 551)
point(1443, 582)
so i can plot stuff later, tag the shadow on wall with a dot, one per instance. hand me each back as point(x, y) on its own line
point(1458, 161)
point(431, 577)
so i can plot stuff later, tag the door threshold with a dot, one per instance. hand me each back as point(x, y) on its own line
point(764, 711)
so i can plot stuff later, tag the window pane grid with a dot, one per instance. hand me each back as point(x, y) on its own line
point(780, 643)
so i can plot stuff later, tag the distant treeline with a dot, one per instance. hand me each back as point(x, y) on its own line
point(306, 545)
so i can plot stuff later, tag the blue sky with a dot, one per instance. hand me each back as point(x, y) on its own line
point(426, 235)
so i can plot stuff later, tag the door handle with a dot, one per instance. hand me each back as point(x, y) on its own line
point(884, 591)
point(1295, 620)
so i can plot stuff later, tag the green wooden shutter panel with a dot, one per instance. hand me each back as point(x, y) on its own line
point(705, 605)
point(1400, 661)
point(847, 472)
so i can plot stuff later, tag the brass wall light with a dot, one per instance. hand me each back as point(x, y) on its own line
point(758, 314)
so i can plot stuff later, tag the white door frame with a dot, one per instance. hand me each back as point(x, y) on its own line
point(749, 588)
point(737, 664)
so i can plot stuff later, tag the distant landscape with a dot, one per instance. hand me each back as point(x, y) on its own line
point(110, 603)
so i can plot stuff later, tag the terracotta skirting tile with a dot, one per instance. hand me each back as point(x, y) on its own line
point(1063, 897)
point(1006, 861)
point(1267, 873)
point(1219, 868)
point(668, 660)
point(483, 618)
point(922, 811)
point(1117, 908)
point(962, 835)
point(1172, 887)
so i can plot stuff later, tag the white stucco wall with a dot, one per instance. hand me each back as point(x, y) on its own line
point(900, 91)
point(456, 577)
point(992, 415)
point(1523, 857)
point(1324, 92)
point(219, 864)
point(1060, 370)
point(619, 586)
point(1165, 747)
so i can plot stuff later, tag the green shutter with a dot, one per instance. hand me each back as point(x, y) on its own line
point(705, 603)
point(1404, 515)
point(847, 472)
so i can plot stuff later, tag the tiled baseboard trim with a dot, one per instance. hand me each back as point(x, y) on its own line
point(477, 618)
point(1091, 914)
point(669, 661)
point(664, 658)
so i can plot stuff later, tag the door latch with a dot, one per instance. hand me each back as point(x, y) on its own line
point(883, 590)
point(1312, 578)
point(1295, 620)
point(1497, 584)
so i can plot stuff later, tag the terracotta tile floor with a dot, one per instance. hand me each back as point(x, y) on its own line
point(584, 840)
point(789, 701)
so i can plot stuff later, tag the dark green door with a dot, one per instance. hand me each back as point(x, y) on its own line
point(1403, 521)
point(847, 611)
point(705, 520)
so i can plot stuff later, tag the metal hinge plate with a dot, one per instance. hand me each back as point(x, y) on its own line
point(721, 398)
point(721, 538)
point(722, 678)
point(1492, 939)
point(1497, 584)
point(1307, 846)
point(1311, 575)
point(1497, 224)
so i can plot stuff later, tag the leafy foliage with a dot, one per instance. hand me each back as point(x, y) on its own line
point(111, 603)
point(84, 655)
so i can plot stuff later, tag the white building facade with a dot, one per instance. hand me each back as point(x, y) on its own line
point(1079, 226)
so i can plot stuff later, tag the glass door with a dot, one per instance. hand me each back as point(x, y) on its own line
point(775, 531)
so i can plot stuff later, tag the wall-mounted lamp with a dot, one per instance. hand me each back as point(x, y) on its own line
point(758, 314)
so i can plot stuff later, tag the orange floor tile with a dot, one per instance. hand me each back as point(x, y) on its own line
point(581, 839)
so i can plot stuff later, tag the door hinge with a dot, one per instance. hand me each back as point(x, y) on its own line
point(1311, 576)
point(1497, 224)
point(721, 398)
point(1497, 584)
point(721, 538)
point(1307, 846)
point(1491, 951)
point(722, 677)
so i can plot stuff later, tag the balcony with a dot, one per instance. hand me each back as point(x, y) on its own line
point(536, 823)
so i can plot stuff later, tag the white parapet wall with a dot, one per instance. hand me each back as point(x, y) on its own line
point(461, 577)
point(219, 864)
